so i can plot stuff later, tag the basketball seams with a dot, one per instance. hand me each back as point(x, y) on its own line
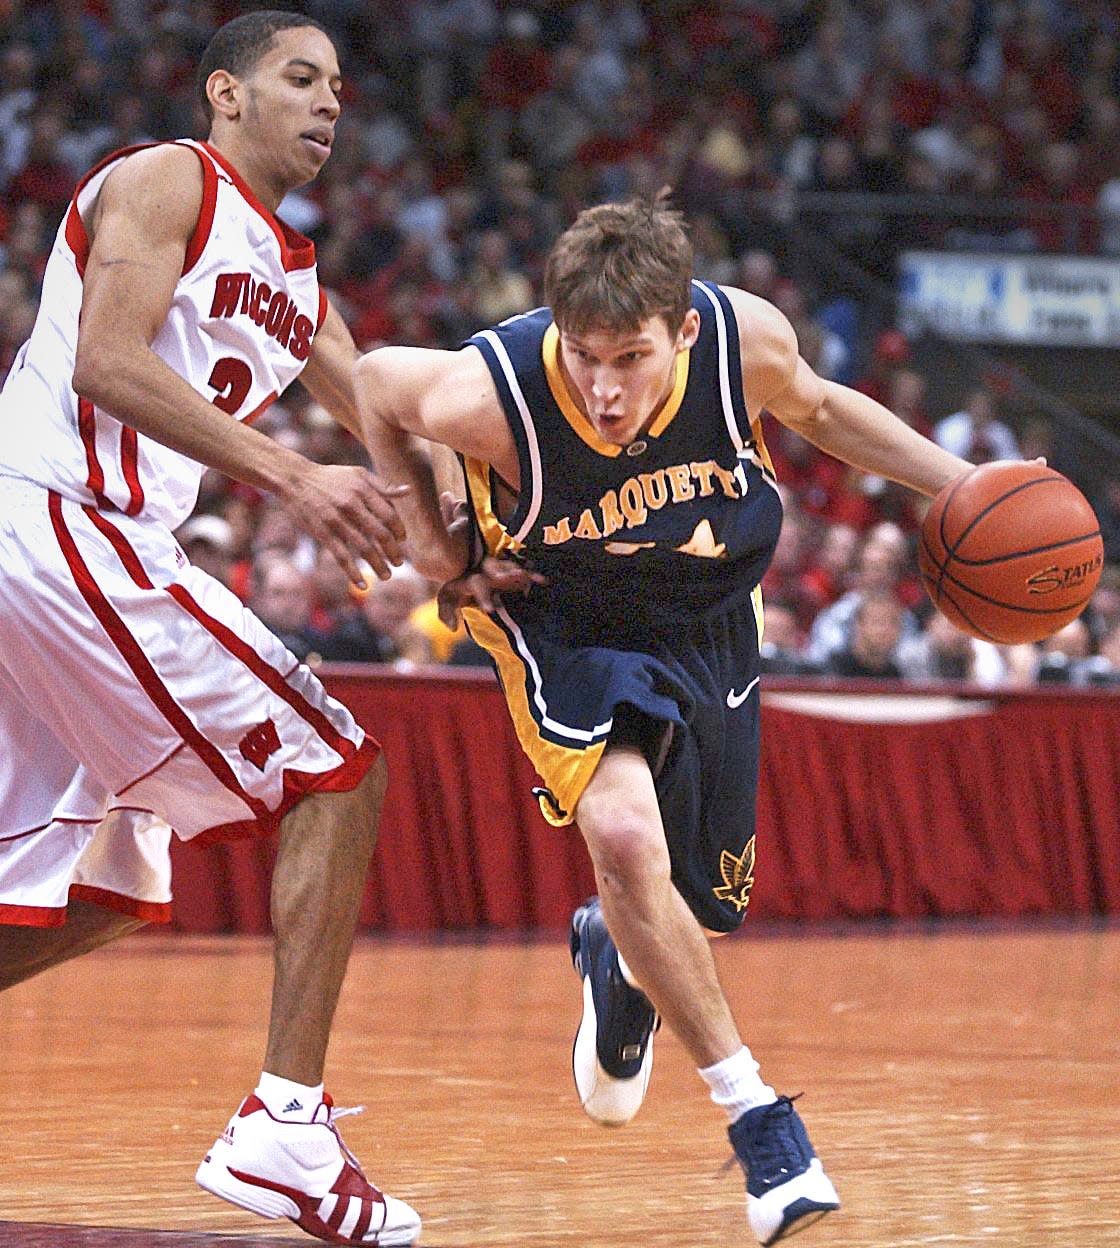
point(976, 629)
point(941, 530)
point(989, 524)
point(1011, 606)
point(1022, 554)
point(925, 548)
point(951, 551)
point(945, 508)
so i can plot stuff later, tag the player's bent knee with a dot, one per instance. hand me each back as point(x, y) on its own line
point(628, 851)
point(27, 951)
point(606, 811)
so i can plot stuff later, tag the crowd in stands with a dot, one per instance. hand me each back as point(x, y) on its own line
point(473, 130)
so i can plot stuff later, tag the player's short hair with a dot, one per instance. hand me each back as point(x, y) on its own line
point(619, 264)
point(238, 45)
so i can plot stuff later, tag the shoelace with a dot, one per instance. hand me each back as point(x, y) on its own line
point(339, 1112)
point(335, 1112)
point(772, 1151)
point(774, 1155)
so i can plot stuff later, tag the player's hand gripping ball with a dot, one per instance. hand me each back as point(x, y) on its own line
point(1011, 551)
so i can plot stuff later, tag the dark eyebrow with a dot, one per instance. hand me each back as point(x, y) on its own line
point(315, 69)
point(632, 344)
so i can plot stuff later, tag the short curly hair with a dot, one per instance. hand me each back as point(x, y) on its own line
point(239, 45)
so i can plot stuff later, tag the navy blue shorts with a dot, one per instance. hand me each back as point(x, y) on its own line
point(690, 701)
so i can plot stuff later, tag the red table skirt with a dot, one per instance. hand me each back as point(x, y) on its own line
point(871, 804)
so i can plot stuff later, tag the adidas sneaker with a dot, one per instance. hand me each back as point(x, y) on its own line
point(303, 1171)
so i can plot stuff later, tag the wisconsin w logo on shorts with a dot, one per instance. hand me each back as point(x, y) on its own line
point(259, 742)
point(738, 877)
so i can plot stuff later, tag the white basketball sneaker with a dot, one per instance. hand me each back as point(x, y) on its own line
point(612, 1056)
point(303, 1171)
point(787, 1188)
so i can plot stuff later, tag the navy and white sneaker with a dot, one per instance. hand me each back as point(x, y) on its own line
point(787, 1188)
point(613, 1052)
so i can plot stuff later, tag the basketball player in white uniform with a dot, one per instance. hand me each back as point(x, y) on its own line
point(137, 695)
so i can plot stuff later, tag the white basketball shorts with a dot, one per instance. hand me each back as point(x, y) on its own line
point(138, 695)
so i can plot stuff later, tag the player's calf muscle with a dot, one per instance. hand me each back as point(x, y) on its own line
point(28, 951)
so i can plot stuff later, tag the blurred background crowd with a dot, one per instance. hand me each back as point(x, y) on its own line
point(474, 130)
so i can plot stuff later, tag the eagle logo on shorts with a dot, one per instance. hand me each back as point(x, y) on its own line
point(738, 877)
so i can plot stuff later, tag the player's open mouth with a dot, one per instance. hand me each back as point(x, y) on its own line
point(319, 140)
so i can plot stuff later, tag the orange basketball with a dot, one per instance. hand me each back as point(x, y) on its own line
point(1011, 551)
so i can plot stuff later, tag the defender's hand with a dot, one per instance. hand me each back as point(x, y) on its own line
point(482, 587)
point(351, 513)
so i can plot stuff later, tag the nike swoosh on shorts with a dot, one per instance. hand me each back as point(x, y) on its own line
point(737, 699)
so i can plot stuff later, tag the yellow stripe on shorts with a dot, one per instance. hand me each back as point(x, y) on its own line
point(565, 770)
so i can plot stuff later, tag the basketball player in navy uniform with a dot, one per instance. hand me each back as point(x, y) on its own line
point(612, 447)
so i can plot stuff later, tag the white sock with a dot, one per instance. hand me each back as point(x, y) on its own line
point(736, 1085)
point(288, 1101)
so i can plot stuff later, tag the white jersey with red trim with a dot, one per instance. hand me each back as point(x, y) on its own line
point(239, 330)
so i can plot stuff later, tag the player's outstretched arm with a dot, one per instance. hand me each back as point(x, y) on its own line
point(329, 372)
point(141, 225)
point(445, 397)
point(841, 421)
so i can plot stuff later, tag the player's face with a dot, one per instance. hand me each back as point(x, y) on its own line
point(293, 103)
point(622, 379)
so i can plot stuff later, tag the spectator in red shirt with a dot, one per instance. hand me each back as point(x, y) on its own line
point(810, 475)
point(723, 25)
point(17, 315)
point(783, 577)
point(1032, 48)
point(1060, 191)
point(517, 69)
point(27, 242)
point(828, 572)
point(913, 98)
point(45, 178)
point(890, 353)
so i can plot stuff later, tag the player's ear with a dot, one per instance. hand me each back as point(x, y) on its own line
point(223, 91)
point(689, 330)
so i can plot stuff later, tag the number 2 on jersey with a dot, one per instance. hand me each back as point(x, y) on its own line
point(233, 379)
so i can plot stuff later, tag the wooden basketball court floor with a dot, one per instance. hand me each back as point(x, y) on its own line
point(962, 1085)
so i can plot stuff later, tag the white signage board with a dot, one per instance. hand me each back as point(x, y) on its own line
point(1049, 301)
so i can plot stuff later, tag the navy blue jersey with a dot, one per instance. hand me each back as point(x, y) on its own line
point(654, 554)
point(634, 539)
